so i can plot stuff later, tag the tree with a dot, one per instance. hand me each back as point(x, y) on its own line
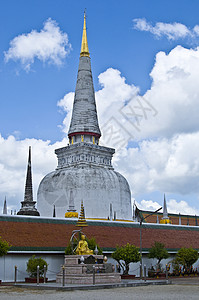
point(125, 255)
point(186, 257)
point(4, 247)
point(158, 251)
point(32, 266)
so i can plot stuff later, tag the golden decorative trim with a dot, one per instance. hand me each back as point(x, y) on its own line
point(71, 214)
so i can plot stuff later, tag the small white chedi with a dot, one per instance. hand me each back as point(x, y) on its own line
point(85, 170)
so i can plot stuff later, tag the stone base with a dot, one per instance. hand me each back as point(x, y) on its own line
point(88, 278)
point(78, 273)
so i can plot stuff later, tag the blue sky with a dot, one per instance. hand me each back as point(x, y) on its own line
point(123, 36)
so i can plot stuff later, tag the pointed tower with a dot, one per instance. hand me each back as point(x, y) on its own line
point(28, 205)
point(165, 219)
point(111, 212)
point(5, 211)
point(84, 166)
point(84, 123)
point(54, 212)
point(71, 213)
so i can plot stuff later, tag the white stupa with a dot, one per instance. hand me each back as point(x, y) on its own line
point(85, 167)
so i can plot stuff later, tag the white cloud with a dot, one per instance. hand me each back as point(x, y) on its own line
point(13, 164)
point(66, 104)
point(181, 207)
point(165, 165)
point(172, 31)
point(149, 205)
point(174, 93)
point(48, 45)
point(173, 206)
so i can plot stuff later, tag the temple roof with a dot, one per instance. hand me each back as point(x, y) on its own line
point(84, 116)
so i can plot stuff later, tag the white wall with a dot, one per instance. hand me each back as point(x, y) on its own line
point(9, 261)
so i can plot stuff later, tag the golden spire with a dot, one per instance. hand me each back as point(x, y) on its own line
point(82, 221)
point(84, 47)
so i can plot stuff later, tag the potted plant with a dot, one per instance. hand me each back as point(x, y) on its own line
point(4, 248)
point(32, 264)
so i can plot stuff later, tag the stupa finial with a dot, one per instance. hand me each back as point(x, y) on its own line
point(84, 47)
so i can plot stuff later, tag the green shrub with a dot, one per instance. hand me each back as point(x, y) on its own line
point(4, 247)
point(32, 266)
point(68, 250)
point(92, 244)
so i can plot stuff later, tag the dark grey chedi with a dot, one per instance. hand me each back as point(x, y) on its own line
point(84, 167)
point(84, 115)
point(28, 205)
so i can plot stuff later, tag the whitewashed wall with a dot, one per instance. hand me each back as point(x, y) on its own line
point(9, 261)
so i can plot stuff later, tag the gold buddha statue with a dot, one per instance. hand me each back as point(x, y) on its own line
point(82, 248)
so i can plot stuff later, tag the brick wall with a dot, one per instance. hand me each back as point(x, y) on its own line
point(52, 233)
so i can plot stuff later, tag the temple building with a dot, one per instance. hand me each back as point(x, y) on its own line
point(84, 167)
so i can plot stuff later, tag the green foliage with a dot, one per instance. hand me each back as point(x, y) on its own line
point(158, 251)
point(32, 266)
point(4, 247)
point(176, 266)
point(124, 255)
point(91, 245)
point(186, 257)
point(68, 250)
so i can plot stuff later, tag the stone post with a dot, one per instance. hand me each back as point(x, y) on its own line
point(44, 274)
point(93, 275)
point(145, 273)
point(63, 276)
point(37, 275)
point(15, 274)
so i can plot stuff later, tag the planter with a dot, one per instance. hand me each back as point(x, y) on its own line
point(127, 276)
point(151, 274)
point(161, 275)
point(34, 280)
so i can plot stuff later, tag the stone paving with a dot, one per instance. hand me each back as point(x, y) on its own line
point(180, 289)
point(136, 293)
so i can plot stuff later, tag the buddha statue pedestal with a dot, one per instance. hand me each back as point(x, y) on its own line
point(76, 272)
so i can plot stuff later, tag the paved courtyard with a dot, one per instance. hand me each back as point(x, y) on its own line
point(182, 290)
